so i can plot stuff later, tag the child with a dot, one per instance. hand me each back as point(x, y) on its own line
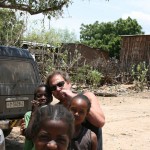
point(42, 96)
point(51, 127)
point(84, 139)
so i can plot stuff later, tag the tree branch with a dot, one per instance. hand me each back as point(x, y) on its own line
point(59, 7)
point(29, 9)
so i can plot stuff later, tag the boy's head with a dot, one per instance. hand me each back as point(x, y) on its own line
point(43, 95)
point(80, 107)
point(51, 127)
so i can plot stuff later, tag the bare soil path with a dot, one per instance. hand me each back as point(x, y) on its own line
point(127, 122)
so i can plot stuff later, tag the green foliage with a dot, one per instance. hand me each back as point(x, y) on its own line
point(80, 75)
point(107, 35)
point(85, 74)
point(51, 8)
point(11, 28)
point(94, 77)
point(48, 7)
point(139, 73)
point(66, 36)
point(63, 61)
point(52, 37)
point(49, 63)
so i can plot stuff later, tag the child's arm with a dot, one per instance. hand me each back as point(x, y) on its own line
point(27, 116)
point(22, 127)
point(25, 122)
point(94, 141)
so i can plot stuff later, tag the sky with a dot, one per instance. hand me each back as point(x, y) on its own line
point(90, 11)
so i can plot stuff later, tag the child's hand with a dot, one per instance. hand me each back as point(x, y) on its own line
point(22, 127)
point(35, 104)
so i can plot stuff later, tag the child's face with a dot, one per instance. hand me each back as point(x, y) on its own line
point(79, 109)
point(52, 136)
point(41, 96)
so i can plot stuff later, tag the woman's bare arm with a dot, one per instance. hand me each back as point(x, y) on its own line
point(96, 115)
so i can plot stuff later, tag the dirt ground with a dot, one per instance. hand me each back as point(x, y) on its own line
point(127, 123)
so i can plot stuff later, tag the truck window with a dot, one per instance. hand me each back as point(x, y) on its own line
point(23, 72)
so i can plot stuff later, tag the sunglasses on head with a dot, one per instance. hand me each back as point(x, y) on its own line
point(59, 84)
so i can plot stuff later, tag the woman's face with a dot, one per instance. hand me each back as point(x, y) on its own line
point(79, 109)
point(53, 135)
point(57, 84)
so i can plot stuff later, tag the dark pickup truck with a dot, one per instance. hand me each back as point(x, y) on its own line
point(18, 78)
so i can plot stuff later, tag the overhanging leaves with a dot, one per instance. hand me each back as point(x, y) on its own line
point(50, 7)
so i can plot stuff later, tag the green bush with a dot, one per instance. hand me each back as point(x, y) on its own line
point(94, 77)
point(139, 73)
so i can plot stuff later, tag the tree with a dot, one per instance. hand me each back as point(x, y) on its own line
point(52, 37)
point(11, 29)
point(66, 36)
point(51, 7)
point(48, 7)
point(107, 35)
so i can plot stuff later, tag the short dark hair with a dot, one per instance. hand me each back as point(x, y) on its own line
point(57, 72)
point(50, 112)
point(48, 92)
point(84, 98)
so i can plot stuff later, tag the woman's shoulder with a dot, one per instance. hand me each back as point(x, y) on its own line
point(91, 96)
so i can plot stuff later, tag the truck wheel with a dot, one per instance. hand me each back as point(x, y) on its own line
point(7, 132)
